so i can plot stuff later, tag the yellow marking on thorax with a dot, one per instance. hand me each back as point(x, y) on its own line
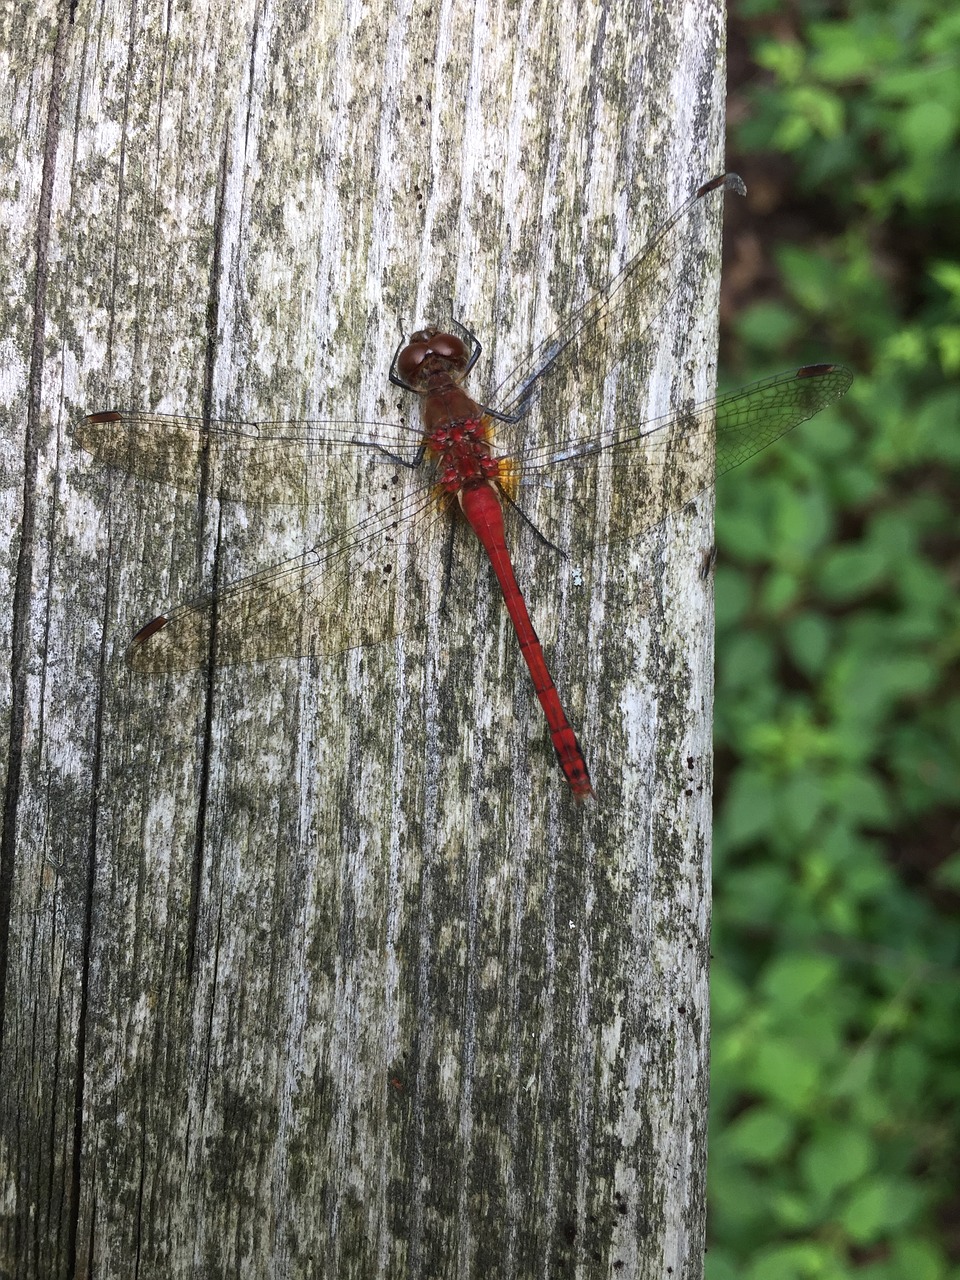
point(508, 477)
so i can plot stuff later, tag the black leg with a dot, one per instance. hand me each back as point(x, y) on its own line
point(447, 566)
point(393, 375)
point(471, 339)
point(540, 537)
point(415, 461)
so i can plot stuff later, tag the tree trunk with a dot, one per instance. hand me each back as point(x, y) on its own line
point(313, 967)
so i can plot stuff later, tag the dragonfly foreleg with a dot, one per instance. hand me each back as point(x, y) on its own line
point(393, 375)
point(472, 341)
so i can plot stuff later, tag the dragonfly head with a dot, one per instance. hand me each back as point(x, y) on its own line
point(429, 355)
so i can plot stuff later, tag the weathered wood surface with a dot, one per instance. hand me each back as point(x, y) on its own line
point(316, 969)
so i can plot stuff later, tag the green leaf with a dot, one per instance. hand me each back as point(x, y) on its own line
point(768, 326)
point(948, 873)
point(842, 53)
point(849, 572)
point(760, 1136)
point(783, 58)
point(934, 428)
point(919, 1259)
point(727, 995)
point(947, 275)
point(749, 809)
point(781, 1070)
point(847, 733)
point(836, 1158)
point(732, 592)
point(824, 111)
point(947, 339)
point(862, 798)
point(803, 521)
point(719, 1264)
point(877, 1210)
point(927, 128)
point(757, 896)
point(799, 1261)
point(808, 636)
point(803, 799)
point(793, 979)
point(811, 278)
point(746, 658)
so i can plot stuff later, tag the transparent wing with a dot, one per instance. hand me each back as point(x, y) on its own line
point(376, 578)
point(613, 321)
point(259, 462)
point(367, 582)
point(651, 469)
point(358, 587)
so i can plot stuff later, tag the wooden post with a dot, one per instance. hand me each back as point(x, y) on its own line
point(314, 968)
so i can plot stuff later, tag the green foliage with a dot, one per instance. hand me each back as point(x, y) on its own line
point(836, 1004)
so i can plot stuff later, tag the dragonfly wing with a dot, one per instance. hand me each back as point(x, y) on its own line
point(586, 499)
point(751, 419)
point(266, 462)
point(634, 476)
point(356, 588)
point(616, 319)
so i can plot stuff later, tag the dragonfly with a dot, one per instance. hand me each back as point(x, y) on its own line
point(346, 589)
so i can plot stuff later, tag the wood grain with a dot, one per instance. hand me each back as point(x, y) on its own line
point(312, 968)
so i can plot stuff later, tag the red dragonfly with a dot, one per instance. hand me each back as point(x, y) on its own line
point(346, 590)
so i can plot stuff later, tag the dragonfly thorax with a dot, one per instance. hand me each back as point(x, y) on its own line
point(463, 455)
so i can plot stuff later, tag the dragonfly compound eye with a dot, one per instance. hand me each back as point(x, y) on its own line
point(449, 347)
point(428, 351)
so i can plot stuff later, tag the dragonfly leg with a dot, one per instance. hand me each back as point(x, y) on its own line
point(449, 539)
point(540, 536)
point(393, 375)
point(521, 411)
point(415, 461)
point(473, 342)
point(503, 417)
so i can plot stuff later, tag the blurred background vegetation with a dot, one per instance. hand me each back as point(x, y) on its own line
point(836, 1000)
